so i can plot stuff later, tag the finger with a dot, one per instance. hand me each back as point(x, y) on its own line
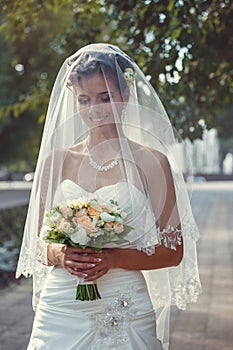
point(81, 250)
point(97, 275)
point(76, 272)
point(79, 266)
point(72, 271)
point(83, 258)
point(95, 270)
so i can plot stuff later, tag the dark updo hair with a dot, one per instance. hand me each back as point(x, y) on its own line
point(112, 66)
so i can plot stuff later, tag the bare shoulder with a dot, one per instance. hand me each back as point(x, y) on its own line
point(77, 150)
point(63, 157)
point(147, 157)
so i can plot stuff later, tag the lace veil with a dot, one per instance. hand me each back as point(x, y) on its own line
point(118, 133)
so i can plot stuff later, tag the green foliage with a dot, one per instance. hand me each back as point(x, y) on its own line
point(180, 45)
point(12, 224)
point(185, 47)
point(27, 72)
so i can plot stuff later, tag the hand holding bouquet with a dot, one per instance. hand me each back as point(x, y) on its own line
point(85, 223)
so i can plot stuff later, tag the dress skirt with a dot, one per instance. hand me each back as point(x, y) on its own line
point(122, 319)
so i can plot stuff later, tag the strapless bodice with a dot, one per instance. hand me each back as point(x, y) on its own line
point(128, 197)
point(124, 193)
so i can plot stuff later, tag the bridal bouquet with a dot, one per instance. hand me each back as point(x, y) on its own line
point(85, 223)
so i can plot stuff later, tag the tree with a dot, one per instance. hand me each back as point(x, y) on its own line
point(36, 38)
point(180, 45)
point(27, 72)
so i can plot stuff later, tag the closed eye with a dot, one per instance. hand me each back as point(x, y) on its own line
point(83, 100)
point(104, 97)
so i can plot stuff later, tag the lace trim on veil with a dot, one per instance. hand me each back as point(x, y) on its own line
point(170, 237)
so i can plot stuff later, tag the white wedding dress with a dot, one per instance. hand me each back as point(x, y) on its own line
point(122, 319)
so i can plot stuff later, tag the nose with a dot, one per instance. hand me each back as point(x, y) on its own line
point(95, 107)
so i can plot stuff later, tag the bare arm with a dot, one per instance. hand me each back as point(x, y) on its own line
point(94, 265)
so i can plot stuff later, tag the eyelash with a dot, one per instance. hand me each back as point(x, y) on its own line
point(102, 99)
point(105, 99)
point(83, 102)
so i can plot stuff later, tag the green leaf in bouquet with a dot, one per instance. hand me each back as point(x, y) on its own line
point(115, 239)
point(56, 240)
point(113, 202)
point(121, 240)
point(127, 229)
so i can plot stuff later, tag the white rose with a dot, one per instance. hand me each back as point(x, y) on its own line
point(97, 233)
point(94, 221)
point(107, 217)
point(80, 236)
point(55, 217)
point(120, 212)
point(123, 214)
point(118, 219)
point(48, 222)
point(44, 232)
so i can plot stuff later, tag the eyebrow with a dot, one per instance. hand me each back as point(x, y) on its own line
point(105, 92)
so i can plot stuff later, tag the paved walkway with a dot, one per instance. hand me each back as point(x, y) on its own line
point(16, 316)
point(207, 325)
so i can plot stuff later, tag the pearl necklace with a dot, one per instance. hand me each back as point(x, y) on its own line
point(103, 167)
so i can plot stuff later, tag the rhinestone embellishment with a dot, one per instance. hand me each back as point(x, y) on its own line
point(103, 167)
point(111, 326)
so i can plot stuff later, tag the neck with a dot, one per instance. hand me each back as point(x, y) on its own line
point(104, 149)
point(103, 135)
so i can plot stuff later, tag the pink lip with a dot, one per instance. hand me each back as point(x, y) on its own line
point(98, 119)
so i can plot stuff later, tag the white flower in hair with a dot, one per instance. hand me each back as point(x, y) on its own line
point(129, 76)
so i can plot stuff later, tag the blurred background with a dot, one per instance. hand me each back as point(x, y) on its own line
point(185, 48)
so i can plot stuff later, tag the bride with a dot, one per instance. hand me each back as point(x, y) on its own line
point(107, 136)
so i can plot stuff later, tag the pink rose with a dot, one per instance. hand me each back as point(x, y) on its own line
point(86, 223)
point(66, 212)
point(81, 212)
point(64, 226)
point(118, 227)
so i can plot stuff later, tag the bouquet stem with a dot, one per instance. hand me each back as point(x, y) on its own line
point(87, 291)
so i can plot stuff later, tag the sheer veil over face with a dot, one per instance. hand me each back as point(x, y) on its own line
point(106, 126)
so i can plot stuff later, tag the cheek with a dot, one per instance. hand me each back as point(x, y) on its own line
point(82, 112)
point(81, 107)
point(120, 107)
point(108, 108)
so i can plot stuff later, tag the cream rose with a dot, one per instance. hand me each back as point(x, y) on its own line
point(107, 217)
point(64, 226)
point(80, 236)
point(86, 223)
